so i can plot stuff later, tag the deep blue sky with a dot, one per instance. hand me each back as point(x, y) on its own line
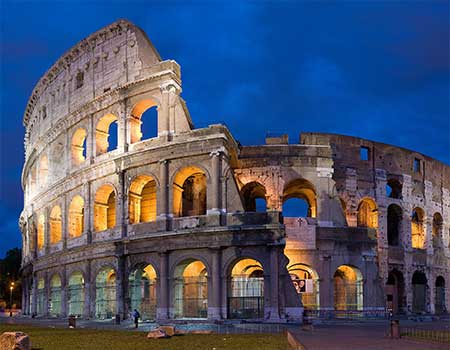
point(375, 69)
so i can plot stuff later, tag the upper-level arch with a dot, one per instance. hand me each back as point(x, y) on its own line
point(367, 213)
point(189, 191)
point(136, 120)
point(102, 133)
point(304, 190)
point(78, 146)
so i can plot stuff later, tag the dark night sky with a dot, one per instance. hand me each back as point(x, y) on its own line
point(374, 69)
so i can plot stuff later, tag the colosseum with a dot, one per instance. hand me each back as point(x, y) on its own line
point(127, 205)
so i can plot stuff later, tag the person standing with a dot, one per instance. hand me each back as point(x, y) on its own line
point(136, 316)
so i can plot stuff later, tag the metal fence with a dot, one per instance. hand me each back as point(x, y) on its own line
point(345, 314)
point(246, 307)
point(440, 336)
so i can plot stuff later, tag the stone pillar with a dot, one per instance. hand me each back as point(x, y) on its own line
point(88, 295)
point(216, 194)
point(34, 295)
point(64, 294)
point(46, 231)
point(326, 284)
point(122, 207)
point(214, 288)
point(24, 295)
point(46, 295)
point(88, 211)
point(272, 310)
point(122, 127)
point(65, 219)
point(162, 207)
point(120, 285)
point(163, 112)
point(162, 310)
point(431, 291)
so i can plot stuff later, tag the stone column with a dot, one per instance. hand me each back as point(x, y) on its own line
point(46, 294)
point(214, 288)
point(120, 281)
point(88, 295)
point(24, 296)
point(64, 294)
point(273, 310)
point(163, 197)
point(431, 291)
point(122, 127)
point(65, 219)
point(88, 211)
point(34, 295)
point(122, 207)
point(46, 231)
point(162, 310)
point(326, 283)
point(163, 112)
point(216, 195)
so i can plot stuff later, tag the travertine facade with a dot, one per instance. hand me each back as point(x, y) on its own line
point(173, 225)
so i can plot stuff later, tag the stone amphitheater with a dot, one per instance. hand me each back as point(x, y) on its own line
point(188, 224)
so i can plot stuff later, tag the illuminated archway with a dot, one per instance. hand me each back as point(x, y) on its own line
point(246, 290)
point(142, 199)
point(55, 225)
point(367, 213)
point(136, 120)
point(104, 208)
point(303, 190)
point(306, 282)
point(254, 197)
point(142, 289)
point(75, 296)
point(189, 192)
point(348, 288)
point(190, 290)
point(105, 293)
point(78, 146)
point(40, 297)
point(417, 228)
point(41, 232)
point(102, 133)
point(76, 217)
point(55, 296)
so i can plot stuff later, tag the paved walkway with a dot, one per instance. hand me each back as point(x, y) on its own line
point(365, 336)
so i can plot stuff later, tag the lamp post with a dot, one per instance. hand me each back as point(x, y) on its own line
point(11, 287)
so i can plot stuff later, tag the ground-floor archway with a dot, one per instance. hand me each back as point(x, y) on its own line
point(142, 290)
point(246, 290)
point(55, 296)
point(105, 293)
point(40, 297)
point(306, 282)
point(419, 288)
point(190, 290)
point(348, 289)
point(440, 306)
point(75, 294)
point(395, 287)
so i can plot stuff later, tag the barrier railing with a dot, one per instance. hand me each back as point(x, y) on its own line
point(441, 336)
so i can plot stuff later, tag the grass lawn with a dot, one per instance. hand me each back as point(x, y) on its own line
point(89, 339)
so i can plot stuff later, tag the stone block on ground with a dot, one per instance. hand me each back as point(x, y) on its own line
point(201, 331)
point(157, 333)
point(15, 341)
point(170, 330)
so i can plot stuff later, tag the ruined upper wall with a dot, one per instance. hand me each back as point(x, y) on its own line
point(396, 161)
point(111, 57)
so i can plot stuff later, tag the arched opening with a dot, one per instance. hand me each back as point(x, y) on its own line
point(142, 200)
point(191, 290)
point(394, 189)
point(254, 197)
point(246, 290)
point(142, 289)
point(40, 297)
point(41, 232)
point(367, 213)
point(33, 180)
point(144, 121)
point(43, 170)
point(395, 287)
point(299, 199)
point(440, 306)
point(76, 217)
point(103, 132)
point(189, 192)
point(75, 296)
point(419, 286)
point(55, 225)
point(78, 146)
point(105, 208)
point(394, 220)
point(348, 289)
point(55, 296)
point(306, 283)
point(105, 293)
point(417, 228)
point(437, 231)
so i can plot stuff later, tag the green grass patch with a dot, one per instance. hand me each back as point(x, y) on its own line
point(90, 339)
